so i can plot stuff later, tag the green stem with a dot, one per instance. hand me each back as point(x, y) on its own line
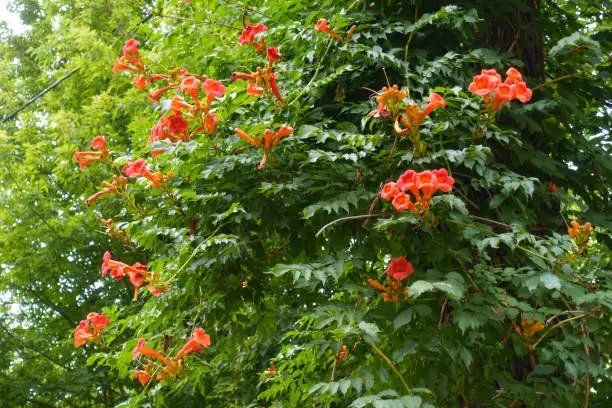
point(390, 161)
point(171, 279)
point(314, 76)
point(547, 332)
point(392, 367)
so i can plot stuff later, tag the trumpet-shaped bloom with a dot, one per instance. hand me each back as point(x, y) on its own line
point(84, 158)
point(482, 85)
point(250, 31)
point(213, 88)
point(267, 141)
point(389, 191)
point(116, 187)
point(140, 82)
point(172, 366)
point(273, 55)
point(138, 168)
point(138, 274)
point(399, 268)
point(489, 82)
point(90, 329)
point(513, 76)
point(422, 185)
point(190, 85)
point(321, 25)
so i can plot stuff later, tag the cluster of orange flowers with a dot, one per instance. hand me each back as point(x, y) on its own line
point(490, 82)
point(272, 370)
point(139, 275)
point(263, 80)
point(90, 329)
point(415, 117)
point(394, 290)
point(321, 25)
point(139, 169)
point(390, 104)
point(173, 366)
point(84, 158)
point(422, 185)
point(117, 187)
point(580, 234)
point(131, 61)
point(266, 142)
point(528, 329)
point(173, 125)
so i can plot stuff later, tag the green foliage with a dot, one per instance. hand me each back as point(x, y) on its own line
point(274, 262)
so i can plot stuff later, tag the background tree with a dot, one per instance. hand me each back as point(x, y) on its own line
point(243, 248)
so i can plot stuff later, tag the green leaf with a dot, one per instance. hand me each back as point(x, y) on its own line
point(403, 318)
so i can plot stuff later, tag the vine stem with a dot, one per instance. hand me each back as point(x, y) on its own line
point(194, 253)
point(353, 217)
point(552, 81)
point(314, 76)
point(390, 160)
point(407, 47)
point(379, 351)
point(562, 322)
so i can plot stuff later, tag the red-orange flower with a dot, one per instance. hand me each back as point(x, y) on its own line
point(90, 329)
point(389, 191)
point(273, 55)
point(482, 85)
point(267, 141)
point(190, 85)
point(422, 185)
point(213, 89)
point(138, 274)
point(84, 158)
point(116, 187)
point(131, 61)
point(435, 101)
point(140, 81)
point(399, 268)
point(321, 25)
point(513, 76)
point(250, 31)
point(415, 117)
point(211, 121)
point(342, 353)
point(401, 202)
point(490, 82)
point(198, 341)
point(173, 366)
point(254, 90)
point(139, 169)
point(522, 92)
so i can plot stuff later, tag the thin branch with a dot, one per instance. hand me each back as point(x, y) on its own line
point(354, 217)
point(392, 367)
point(40, 95)
point(314, 76)
point(552, 81)
point(563, 322)
point(416, 15)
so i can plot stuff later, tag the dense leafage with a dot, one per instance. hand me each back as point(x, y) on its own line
point(283, 248)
